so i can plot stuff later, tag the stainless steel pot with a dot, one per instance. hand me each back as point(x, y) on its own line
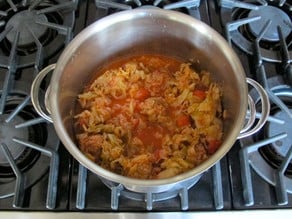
point(143, 31)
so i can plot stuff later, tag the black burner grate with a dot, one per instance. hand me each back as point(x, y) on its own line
point(35, 140)
point(165, 4)
point(243, 21)
point(30, 32)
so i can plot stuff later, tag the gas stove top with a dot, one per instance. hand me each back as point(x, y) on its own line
point(38, 174)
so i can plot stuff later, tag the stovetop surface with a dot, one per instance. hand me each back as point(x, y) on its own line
point(202, 196)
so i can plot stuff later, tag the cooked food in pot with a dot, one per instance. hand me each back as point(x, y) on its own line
point(150, 117)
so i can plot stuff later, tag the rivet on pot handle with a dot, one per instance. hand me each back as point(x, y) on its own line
point(247, 130)
point(34, 93)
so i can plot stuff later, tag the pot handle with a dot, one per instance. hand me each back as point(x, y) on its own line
point(265, 111)
point(34, 93)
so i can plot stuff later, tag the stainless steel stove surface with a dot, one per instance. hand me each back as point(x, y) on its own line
point(39, 178)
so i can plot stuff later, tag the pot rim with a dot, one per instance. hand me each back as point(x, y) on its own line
point(157, 185)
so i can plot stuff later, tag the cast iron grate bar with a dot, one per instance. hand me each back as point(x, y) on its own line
point(246, 177)
point(24, 3)
point(233, 26)
point(3, 13)
point(179, 4)
point(245, 167)
point(5, 32)
point(31, 122)
point(20, 178)
point(239, 4)
point(281, 192)
point(261, 74)
point(282, 2)
point(110, 4)
point(259, 60)
point(37, 65)
point(270, 118)
point(217, 186)
point(157, 2)
point(72, 5)
point(183, 4)
point(287, 65)
point(81, 187)
point(34, 4)
point(151, 197)
point(39, 54)
point(191, 5)
point(64, 30)
point(17, 109)
point(54, 170)
point(138, 2)
point(9, 74)
point(115, 195)
point(12, 5)
point(184, 199)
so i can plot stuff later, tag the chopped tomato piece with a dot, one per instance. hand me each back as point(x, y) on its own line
point(201, 94)
point(135, 123)
point(82, 122)
point(156, 154)
point(138, 107)
point(213, 145)
point(142, 94)
point(183, 120)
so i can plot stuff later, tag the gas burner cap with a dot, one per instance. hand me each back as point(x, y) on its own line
point(26, 22)
point(277, 18)
point(7, 132)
